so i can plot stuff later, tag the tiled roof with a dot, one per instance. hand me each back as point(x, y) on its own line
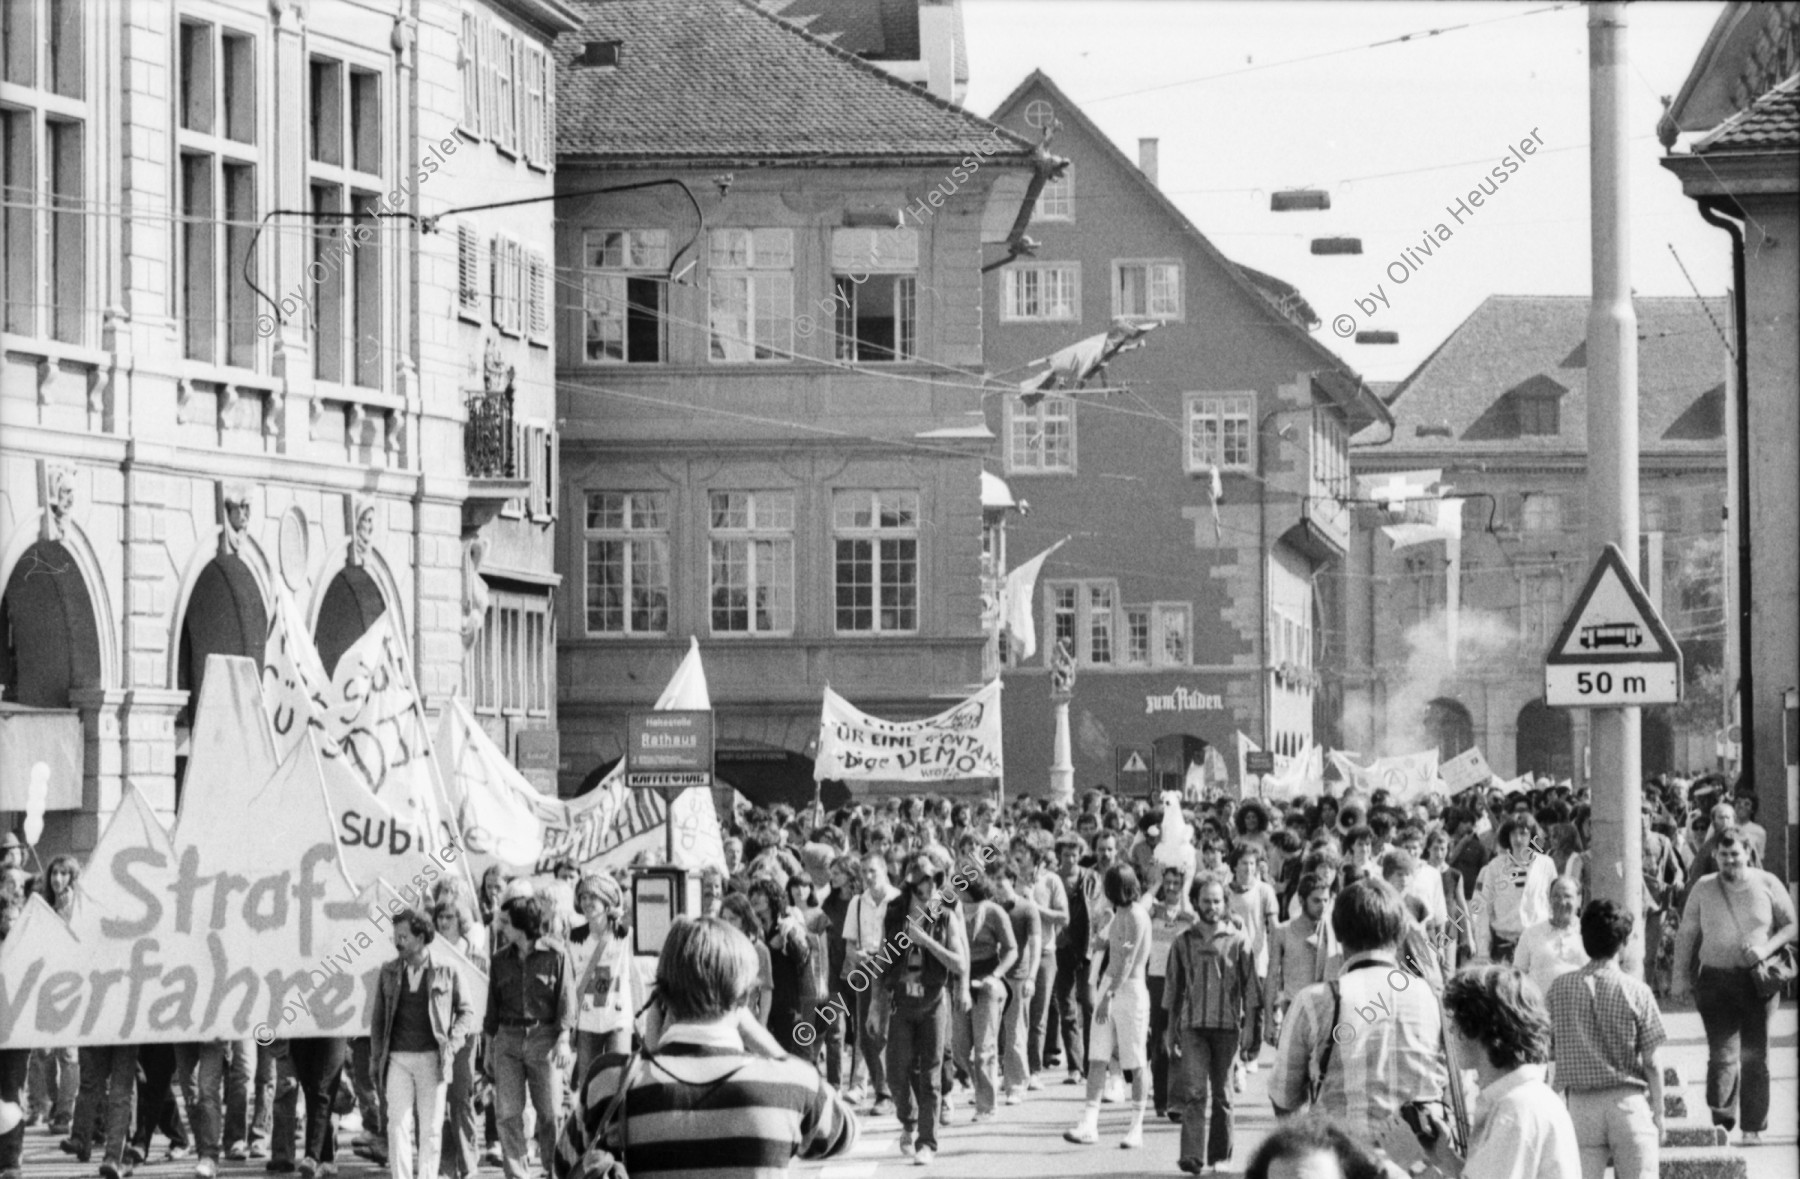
point(849, 24)
point(1771, 123)
point(1466, 396)
point(727, 80)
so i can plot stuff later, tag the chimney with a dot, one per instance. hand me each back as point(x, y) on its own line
point(1147, 158)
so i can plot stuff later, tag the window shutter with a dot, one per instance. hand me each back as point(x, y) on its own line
point(552, 474)
point(549, 160)
point(540, 310)
point(468, 268)
point(497, 282)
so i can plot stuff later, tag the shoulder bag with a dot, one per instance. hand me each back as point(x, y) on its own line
point(1772, 975)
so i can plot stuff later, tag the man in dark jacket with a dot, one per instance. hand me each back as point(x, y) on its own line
point(418, 1024)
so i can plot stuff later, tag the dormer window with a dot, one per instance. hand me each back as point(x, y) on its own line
point(1539, 415)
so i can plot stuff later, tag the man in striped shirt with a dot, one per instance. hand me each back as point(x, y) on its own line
point(712, 1096)
point(1363, 1045)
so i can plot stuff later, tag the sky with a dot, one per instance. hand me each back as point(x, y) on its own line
point(1394, 132)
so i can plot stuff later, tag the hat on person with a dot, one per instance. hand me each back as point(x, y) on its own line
point(10, 841)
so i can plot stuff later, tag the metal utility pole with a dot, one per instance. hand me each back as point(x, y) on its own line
point(1612, 460)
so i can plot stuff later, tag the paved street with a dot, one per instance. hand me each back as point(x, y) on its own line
point(1026, 1141)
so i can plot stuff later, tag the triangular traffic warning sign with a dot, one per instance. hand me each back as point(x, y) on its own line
point(1134, 764)
point(1613, 621)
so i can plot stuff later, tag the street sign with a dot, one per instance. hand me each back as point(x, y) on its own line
point(669, 749)
point(1131, 770)
point(1259, 761)
point(1613, 650)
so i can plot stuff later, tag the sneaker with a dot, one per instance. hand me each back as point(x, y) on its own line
point(1751, 1138)
point(1082, 1133)
point(70, 1146)
point(983, 1116)
point(327, 1170)
point(883, 1107)
point(259, 1150)
point(206, 1169)
point(906, 1146)
point(1034, 1084)
point(237, 1152)
point(1073, 1078)
point(110, 1170)
point(1013, 1097)
point(133, 1156)
point(1114, 1091)
point(178, 1153)
point(1134, 1138)
point(491, 1157)
point(308, 1168)
point(922, 1157)
point(949, 1106)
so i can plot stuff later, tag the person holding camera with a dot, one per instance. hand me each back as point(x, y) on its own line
point(1496, 1022)
point(711, 1093)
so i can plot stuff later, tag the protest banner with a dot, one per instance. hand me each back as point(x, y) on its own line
point(493, 807)
point(245, 920)
point(960, 742)
point(1466, 769)
point(1405, 777)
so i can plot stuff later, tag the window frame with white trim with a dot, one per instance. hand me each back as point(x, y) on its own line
point(1235, 451)
point(657, 533)
point(47, 133)
point(759, 262)
point(750, 539)
point(642, 260)
point(1164, 302)
point(1063, 306)
point(1056, 200)
point(889, 523)
point(1041, 438)
point(352, 353)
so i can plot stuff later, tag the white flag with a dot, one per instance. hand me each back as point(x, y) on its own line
point(1015, 610)
point(492, 802)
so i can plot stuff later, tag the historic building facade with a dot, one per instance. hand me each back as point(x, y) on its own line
point(1445, 640)
point(234, 364)
point(772, 436)
point(1191, 616)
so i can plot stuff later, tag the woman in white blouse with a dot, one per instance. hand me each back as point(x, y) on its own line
point(603, 992)
point(1498, 1024)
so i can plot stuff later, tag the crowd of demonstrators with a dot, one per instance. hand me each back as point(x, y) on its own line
point(912, 947)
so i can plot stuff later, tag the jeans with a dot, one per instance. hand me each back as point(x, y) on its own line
point(1737, 1043)
point(108, 1094)
point(915, 1051)
point(1616, 1126)
point(1206, 1056)
point(262, 1111)
point(1159, 1052)
point(591, 1046)
point(15, 1066)
point(369, 1090)
point(1074, 997)
point(522, 1065)
point(872, 1046)
point(977, 1042)
point(415, 1091)
point(240, 1068)
point(1038, 1015)
point(55, 1082)
point(318, 1064)
point(205, 1063)
point(284, 1107)
point(461, 1153)
point(159, 1107)
point(1014, 1065)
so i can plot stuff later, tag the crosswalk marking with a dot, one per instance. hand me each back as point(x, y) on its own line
point(863, 1170)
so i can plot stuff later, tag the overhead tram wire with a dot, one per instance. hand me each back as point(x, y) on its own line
point(1404, 38)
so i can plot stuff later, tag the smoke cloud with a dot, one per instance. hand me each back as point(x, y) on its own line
point(1399, 722)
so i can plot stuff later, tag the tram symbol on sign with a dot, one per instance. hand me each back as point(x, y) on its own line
point(1612, 634)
